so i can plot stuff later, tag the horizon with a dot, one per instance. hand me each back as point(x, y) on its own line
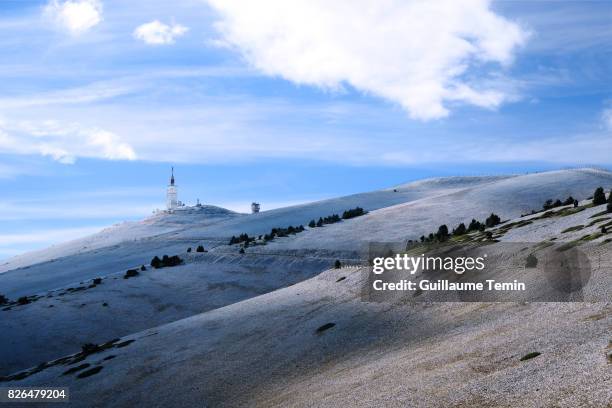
point(99, 101)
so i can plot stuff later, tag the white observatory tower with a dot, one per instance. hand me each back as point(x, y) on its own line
point(171, 194)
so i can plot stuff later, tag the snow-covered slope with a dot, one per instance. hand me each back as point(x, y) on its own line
point(62, 320)
point(128, 244)
point(406, 211)
point(318, 344)
point(257, 343)
point(507, 197)
point(157, 224)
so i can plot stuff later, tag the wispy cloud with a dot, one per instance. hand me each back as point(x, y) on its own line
point(93, 92)
point(158, 33)
point(63, 142)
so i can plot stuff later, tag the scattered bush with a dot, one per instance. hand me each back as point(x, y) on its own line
point(23, 300)
point(200, 248)
point(575, 203)
point(156, 262)
point(609, 208)
point(603, 229)
point(189, 249)
point(143, 268)
point(3, 300)
point(337, 264)
point(475, 226)
point(352, 213)
point(569, 201)
point(240, 238)
point(97, 281)
point(530, 356)
point(130, 273)
point(171, 260)
point(492, 221)
point(90, 348)
point(442, 234)
point(312, 224)
point(460, 230)
point(241, 251)
point(274, 233)
point(599, 197)
point(326, 326)
point(165, 261)
point(531, 261)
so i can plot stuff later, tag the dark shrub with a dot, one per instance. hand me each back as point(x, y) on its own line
point(156, 262)
point(89, 348)
point(200, 248)
point(603, 229)
point(575, 203)
point(241, 251)
point(354, 212)
point(599, 197)
point(442, 233)
point(548, 204)
point(130, 273)
point(3, 300)
point(337, 264)
point(460, 230)
point(530, 356)
point(609, 208)
point(143, 268)
point(492, 221)
point(320, 222)
point(189, 249)
point(241, 238)
point(569, 201)
point(326, 326)
point(312, 224)
point(474, 226)
point(557, 203)
point(23, 300)
point(97, 281)
point(173, 260)
point(531, 261)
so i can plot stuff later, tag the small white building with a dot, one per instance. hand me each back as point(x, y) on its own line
point(172, 194)
point(255, 208)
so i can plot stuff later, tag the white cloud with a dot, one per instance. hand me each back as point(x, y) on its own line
point(63, 142)
point(158, 33)
point(75, 16)
point(415, 53)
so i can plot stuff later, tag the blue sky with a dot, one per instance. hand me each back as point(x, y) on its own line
point(283, 102)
